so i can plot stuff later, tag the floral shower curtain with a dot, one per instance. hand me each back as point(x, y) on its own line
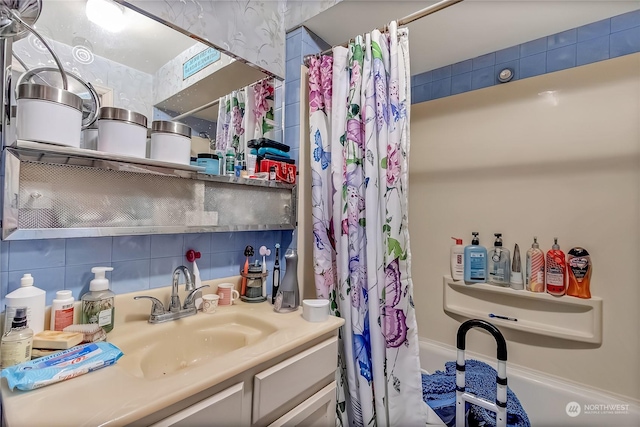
point(244, 115)
point(359, 127)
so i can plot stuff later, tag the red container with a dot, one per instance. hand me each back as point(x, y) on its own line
point(285, 172)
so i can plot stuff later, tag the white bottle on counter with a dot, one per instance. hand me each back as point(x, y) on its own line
point(61, 311)
point(457, 260)
point(34, 299)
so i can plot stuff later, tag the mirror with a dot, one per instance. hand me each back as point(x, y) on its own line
point(135, 62)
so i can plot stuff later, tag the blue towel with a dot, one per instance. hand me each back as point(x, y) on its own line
point(439, 392)
point(273, 151)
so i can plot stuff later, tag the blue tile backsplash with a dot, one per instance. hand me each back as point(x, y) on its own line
point(597, 41)
point(139, 262)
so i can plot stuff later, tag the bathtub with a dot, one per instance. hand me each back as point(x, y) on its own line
point(547, 400)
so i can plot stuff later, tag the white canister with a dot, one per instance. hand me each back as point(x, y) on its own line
point(170, 142)
point(48, 114)
point(122, 131)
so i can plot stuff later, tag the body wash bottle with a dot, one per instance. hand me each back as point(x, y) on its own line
point(534, 273)
point(475, 261)
point(457, 260)
point(556, 270)
point(499, 263)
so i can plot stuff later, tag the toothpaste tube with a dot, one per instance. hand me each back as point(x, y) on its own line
point(61, 366)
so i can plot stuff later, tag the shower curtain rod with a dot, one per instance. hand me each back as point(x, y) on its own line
point(404, 21)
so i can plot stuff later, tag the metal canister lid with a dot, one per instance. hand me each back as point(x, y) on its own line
point(49, 93)
point(120, 114)
point(170, 127)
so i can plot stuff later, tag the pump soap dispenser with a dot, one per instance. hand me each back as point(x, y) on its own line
point(475, 261)
point(98, 304)
point(499, 263)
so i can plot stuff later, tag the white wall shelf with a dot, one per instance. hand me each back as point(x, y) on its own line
point(565, 317)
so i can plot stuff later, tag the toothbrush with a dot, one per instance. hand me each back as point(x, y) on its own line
point(265, 253)
point(248, 251)
point(276, 275)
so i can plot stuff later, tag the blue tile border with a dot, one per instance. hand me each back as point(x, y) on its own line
point(593, 42)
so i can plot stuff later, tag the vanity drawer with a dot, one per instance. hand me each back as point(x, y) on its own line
point(290, 379)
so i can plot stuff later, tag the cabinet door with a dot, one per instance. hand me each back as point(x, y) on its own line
point(317, 411)
point(275, 387)
point(221, 409)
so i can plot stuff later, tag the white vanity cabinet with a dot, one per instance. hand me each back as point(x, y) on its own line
point(223, 408)
point(297, 388)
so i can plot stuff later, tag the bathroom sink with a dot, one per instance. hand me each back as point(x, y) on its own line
point(170, 348)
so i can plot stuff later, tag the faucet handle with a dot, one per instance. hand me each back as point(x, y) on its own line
point(191, 297)
point(157, 307)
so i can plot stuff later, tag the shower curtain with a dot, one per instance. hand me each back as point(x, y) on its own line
point(359, 128)
point(244, 115)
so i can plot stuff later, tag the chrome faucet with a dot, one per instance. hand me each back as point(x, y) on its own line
point(174, 306)
point(175, 311)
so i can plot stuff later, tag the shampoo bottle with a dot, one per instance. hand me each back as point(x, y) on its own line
point(556, 270)
point(16, 345)
point(34, 299)
point(98, 303)
point(457, 260)
point(499, 263)
point(579, 272)
point(534, 277)
point(475, 261)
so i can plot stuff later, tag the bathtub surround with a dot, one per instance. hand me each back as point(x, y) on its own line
point(362, 258)
point(571, 138)
point(598, 41)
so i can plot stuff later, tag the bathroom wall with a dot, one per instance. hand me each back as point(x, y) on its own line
point(298, 11)
point(557, 155)
point(300, 42)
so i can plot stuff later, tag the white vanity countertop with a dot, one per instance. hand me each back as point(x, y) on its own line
point(116, 395)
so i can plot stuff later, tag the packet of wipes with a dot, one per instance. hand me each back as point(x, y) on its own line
point(61, 366)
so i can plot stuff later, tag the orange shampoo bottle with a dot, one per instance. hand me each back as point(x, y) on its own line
point(579, 271)
point(556, 271)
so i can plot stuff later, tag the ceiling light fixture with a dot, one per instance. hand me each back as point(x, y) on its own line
point(106, 13)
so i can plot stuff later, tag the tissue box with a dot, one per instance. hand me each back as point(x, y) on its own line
point(285, 172)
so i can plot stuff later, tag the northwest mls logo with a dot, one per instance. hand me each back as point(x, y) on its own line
point(573, 409)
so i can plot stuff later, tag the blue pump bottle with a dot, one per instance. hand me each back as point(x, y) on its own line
point(475, 261)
